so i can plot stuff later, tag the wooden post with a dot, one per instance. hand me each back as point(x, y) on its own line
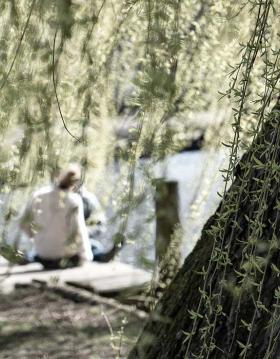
point(168, 238)
point(167, 215)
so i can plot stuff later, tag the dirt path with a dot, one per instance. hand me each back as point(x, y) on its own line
point(38, 324)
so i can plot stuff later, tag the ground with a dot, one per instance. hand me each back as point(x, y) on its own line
point(40, 324)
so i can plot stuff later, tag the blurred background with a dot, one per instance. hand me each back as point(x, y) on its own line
point(136, 92)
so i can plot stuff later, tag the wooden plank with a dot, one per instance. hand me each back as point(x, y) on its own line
point(101, 277)
point(16, 269)
point(114, 283)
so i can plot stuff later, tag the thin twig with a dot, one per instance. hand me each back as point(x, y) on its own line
point(55, 91)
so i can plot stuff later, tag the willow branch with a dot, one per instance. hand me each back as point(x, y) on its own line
point(18, 46)
point(55, 91)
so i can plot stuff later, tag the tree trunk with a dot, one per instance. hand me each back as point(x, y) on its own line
point(232, 311)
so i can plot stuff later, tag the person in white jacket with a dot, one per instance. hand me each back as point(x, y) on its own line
point(54, 219)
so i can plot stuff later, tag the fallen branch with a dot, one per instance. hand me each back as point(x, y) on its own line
point(83, 296)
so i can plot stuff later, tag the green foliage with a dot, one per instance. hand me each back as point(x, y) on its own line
point(261, 54)
point(70, 71)
point(9, 253)
point(67, 65)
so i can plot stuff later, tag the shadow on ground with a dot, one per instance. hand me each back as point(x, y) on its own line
point(39, 324)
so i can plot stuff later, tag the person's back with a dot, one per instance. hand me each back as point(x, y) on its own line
point(54, 219)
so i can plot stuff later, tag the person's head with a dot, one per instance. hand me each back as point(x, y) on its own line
point(69, 177)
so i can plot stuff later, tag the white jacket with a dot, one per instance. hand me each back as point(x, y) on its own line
point(54, 219)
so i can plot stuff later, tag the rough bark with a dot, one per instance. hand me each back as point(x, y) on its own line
point(164, 334)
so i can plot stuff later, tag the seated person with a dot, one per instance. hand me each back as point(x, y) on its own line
point(95, 219)
point(54, 219)
point(92, 208)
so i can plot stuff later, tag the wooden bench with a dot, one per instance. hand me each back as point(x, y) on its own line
point(100, 278)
